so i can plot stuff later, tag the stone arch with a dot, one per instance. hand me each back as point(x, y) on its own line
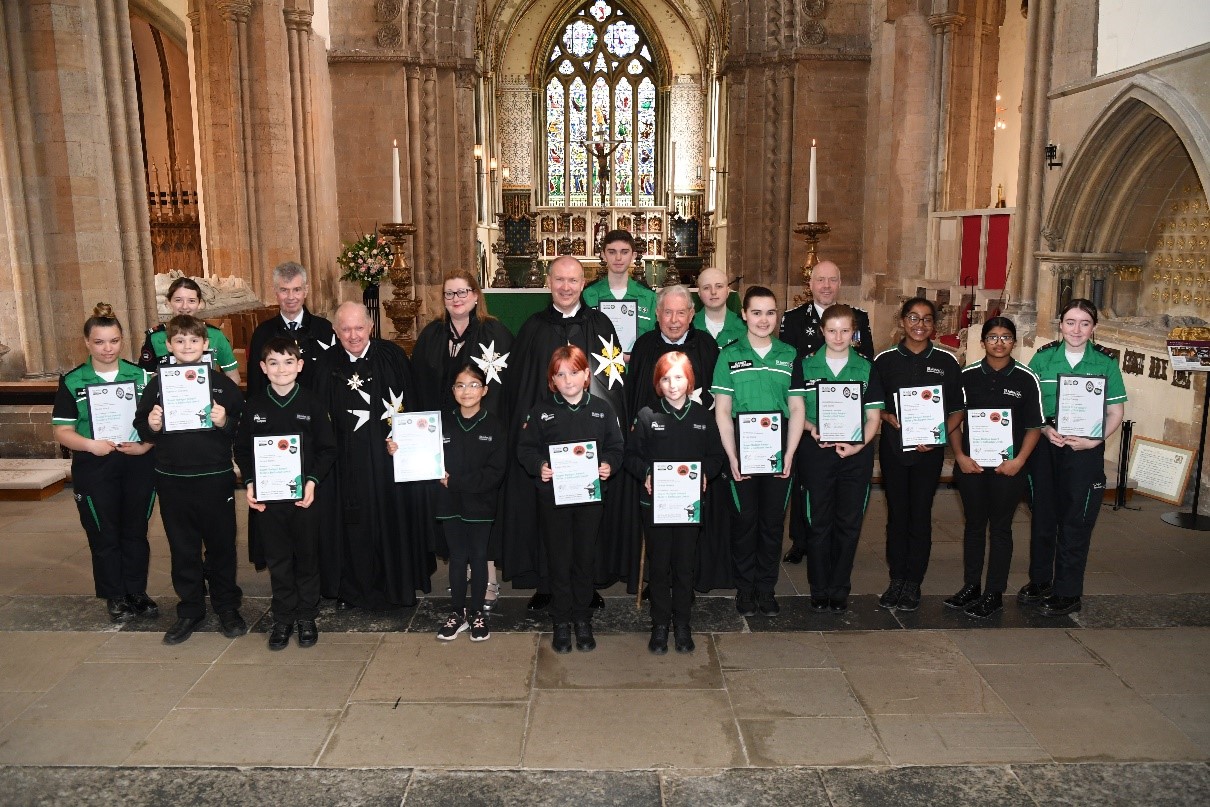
point(557, 20)
point(1109, 182)
point(164, 18)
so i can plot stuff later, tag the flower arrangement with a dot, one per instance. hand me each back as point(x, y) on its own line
point(366, 260)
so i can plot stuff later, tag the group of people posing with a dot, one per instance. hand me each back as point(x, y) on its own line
point(676, 394)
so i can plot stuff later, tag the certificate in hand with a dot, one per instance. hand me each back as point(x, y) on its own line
point(624, 314)
point(840, 412)
point(1081, 409)
point(577, 480)
point(760, 436)
point(111, 411)
point(421, 452)
point(277, 468)
point(921, 417)
point(990, 433)
point(676, 492)
point(186, 397)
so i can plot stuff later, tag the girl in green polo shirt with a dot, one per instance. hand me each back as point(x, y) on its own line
point(185, 298)
point(114, 479)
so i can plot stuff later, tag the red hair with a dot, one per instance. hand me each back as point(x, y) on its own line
point(666, 363)
point(568, 354)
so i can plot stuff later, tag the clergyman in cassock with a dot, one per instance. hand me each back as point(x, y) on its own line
point(675, 331)
point(373, 539)
point(567, 321)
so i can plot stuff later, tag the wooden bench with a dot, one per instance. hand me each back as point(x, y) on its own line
point(32, 480)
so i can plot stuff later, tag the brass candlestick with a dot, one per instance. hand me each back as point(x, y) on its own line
point(501, 280)
point(533, 278)
point(672, 275)
point(706, 244)
point(811, 232)
point(403, 308)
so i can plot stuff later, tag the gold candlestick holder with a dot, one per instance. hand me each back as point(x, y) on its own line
point(501, 280)
point(403, 308)
point(811, 232)
point(533, 278)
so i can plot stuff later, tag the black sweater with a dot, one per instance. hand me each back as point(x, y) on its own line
point(557, 421)
point(193, 453)
point(662, 433)
point(476, 452)
point(301, 413)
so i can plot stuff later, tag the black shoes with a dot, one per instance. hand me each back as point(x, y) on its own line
point(745, 604)
point(561, 642)
point(232, 624)
point(1033, 594)
point(1057, 606)
point(890, 597)
point(965, 596)
point(793, 556)
point(909, 600)
point(119, 609)
point(819, 603)
point(584, 640)
point(182, 629)
point(539, 601)
point(308, 633)
point(659, 640)
point(767, 603)
point(985, 606)
point(684, 638)
point(598, 602)
point(142, 605)
point(280, 636)
point(838, 604)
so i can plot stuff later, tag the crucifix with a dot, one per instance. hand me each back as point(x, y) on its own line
point(602, 148)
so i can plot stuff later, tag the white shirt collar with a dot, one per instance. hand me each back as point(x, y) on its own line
point(297, 319)
point(363, 353)
point(680, 341)
point(574, 311)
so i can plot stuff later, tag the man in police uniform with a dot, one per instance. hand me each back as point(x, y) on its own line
point(801, 328)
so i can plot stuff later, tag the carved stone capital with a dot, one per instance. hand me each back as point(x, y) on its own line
point(235, 10)
point(297, 19)
point(946, 23)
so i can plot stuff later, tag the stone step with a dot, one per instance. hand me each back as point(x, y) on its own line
point(32, 480)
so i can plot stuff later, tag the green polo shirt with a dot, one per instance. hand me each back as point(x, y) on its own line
point(224, 356)
point(754, 384)
point(733, 327)
point(599, 290)
point(814, 370)
point(1051, 361)
point(71, 400)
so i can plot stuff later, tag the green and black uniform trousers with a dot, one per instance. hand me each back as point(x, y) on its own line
point(289, 535)
point(760, 510)
point(989, 500)
point(115, 495)
point(1066, 489)
point(199, 519)
point(838, 490)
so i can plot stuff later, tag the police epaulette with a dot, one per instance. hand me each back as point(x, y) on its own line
point(1049, 345)
point(1104, 350)
point(159, 327)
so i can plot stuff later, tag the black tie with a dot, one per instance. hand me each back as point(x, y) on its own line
point(293, 326)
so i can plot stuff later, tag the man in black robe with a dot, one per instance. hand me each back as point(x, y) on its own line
point(294, 321)
point(373, 539)
point(567, 321)
point(675, 332)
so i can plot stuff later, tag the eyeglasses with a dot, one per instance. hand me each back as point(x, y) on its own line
point(1002, 338)
point(459, 293)
point(916, 319)
point(474, 385)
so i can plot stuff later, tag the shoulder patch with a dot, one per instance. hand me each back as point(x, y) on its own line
point(1107, 351)
point(1049, 345)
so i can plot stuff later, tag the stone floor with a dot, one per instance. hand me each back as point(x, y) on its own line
point(1108, 706)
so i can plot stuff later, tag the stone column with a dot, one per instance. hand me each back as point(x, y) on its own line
point(944, 28)
point(298, 33)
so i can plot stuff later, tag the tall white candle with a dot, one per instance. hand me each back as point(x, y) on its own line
point(396, 197)
point(672, 175)
point(812, 191)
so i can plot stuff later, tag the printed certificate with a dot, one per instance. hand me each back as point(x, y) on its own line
point(207, 358)
point(990, 432)
point(921, 417)
point(577, 480)
point(840, 412)
point(1081, 409)
point(186, 397)
point(111, 411)
point(760, 436)
point(277, 467)
point(421, 452)
point(624, 314)
point(676, 492)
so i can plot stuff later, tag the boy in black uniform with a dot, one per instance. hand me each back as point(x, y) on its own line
point(196, 481)
point(288, 529)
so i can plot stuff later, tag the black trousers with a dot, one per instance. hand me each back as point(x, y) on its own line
point(989, 500)
point(909, 504)
point(798, 518)
point(467, 542)
point(671, 560)
point(199, 518)
point(838, 491)
point(1066, 489)
point(756, 526)
point(115, 495)
point(289, 537)
point(570, 540)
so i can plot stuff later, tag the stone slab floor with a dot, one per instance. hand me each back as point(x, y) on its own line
point(1108, 706)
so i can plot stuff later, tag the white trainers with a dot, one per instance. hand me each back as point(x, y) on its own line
point(453, 625)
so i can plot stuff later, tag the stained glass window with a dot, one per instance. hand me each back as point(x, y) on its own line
point(600, 110)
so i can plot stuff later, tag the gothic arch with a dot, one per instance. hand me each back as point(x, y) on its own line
point(558, 20)
point(1109, 179)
